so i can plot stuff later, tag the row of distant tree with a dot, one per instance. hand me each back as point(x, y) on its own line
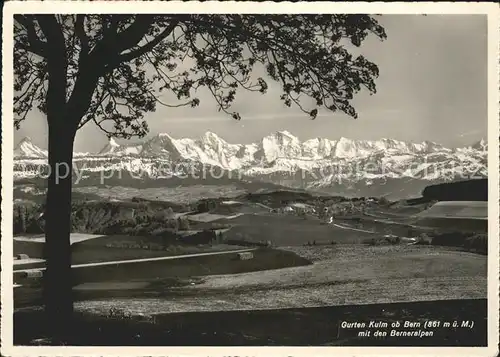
point(103, 219)
point(27, 220)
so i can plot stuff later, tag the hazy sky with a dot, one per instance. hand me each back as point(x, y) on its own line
point(432, 86)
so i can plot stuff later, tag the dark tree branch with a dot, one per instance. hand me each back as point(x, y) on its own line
point(302, 52)
point(115, 71)
point(52, 31)
point(82, 37)
point(36, 46)
point(27, 90)
point(125, 57)
point(132, 35)
point(57, 67)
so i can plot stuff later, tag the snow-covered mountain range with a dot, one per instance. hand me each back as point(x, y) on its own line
point(26, 149)
point(282, 158)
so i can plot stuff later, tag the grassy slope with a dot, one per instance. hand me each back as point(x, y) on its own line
point(298, 302)
point(96, 252)
point(284, 230)
point(206, 265)
point(178, 268)
point(350, 275)
point(341, 275)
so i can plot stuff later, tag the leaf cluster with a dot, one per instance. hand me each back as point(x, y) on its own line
point(117, 68)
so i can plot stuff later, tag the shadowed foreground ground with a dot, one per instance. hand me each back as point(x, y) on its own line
point(294, 306)
point(284, 327)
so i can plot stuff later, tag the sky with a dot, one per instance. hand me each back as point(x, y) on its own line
point(432, 86)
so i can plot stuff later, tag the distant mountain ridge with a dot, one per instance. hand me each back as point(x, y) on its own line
point(281, 158)
point(279, 145)
point(26, 148)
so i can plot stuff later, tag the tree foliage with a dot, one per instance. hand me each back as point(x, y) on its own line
point(117, 67)
point(113, 69)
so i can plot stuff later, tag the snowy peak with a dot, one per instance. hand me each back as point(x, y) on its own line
point(211, 138)
point(286, 134)
point(283, 136)
point(110, 148)
point(113, 148)
point(281, 144)
point(161, 145)
point(481, 145)
point(279, 151)
point(346, 148)
point(283, 159)
point(113, 143)
point(318, 148)
point(211, 142)
point(26, 148)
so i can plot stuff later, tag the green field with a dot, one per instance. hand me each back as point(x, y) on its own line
point(95, 250)
point(352, 275)
point(340, 275)
point(222, 301)
point(298, 305)
point(284, 230)
point(151, 271)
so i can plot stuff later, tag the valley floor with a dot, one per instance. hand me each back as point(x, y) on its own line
point(284, 289)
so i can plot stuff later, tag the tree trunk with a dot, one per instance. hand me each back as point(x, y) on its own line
point(58, 278)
